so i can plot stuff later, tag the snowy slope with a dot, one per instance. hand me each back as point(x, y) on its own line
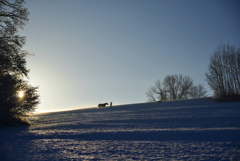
point(198, 129)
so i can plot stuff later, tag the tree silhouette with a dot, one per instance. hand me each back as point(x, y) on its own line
point(13, 70)
point(223, 74)
point(175, 87)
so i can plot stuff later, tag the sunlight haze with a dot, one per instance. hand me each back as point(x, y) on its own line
point(88, 52)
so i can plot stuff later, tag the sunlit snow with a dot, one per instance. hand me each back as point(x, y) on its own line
point(197, 129)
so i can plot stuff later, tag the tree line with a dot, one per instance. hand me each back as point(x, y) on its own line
point(223, 77)
point(17, 96)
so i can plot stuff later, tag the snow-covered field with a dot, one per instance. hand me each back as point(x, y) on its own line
point(197, 129)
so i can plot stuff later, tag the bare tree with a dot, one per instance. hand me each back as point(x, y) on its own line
point(201, 91)
point(185, 87)
point(223, 74)
point(157, 92)
point(178, 86)
point(198, 91)
point(175, 87)
point(151, 94)
point(172, 85)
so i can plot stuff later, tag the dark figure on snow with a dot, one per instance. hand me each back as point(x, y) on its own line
point(101, 105)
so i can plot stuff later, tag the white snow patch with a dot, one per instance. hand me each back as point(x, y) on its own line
point(198, 129)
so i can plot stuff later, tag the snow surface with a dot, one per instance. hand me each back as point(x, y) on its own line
point(197, 129)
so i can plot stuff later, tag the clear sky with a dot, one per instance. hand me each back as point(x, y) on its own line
point(95, 51)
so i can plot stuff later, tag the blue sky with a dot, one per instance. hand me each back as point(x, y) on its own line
point(95, 51)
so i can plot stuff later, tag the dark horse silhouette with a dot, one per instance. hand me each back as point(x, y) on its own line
point(101, 105)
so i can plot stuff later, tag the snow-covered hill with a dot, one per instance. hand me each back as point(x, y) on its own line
point(197, 129)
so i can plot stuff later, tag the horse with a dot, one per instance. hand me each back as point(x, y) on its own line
point(101, 105)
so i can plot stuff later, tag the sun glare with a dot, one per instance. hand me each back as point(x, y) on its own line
point(20, 94)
